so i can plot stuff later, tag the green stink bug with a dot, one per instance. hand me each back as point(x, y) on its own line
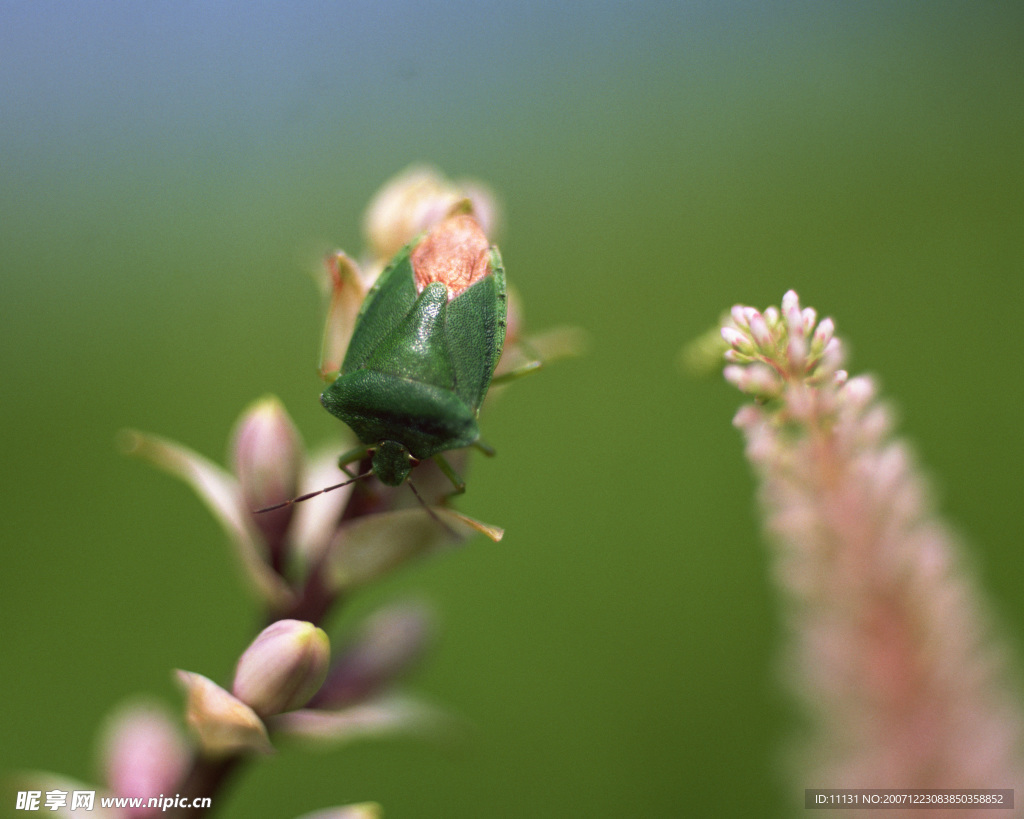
point(422, 355)
point(425, 346)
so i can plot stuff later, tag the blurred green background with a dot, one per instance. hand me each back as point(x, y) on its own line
point(170, 173)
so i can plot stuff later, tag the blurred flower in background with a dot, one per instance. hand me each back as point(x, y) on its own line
point(890, 649)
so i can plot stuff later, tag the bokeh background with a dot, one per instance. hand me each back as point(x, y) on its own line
point(169, 175)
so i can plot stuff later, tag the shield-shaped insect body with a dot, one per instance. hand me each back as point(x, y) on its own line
point(424, 349)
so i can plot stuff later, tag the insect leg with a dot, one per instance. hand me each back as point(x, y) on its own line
point(531, 366)
point(451, 474)
point(352, 456)
point(451, 532)
point(487, 449)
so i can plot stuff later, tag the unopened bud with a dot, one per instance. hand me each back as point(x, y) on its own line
point(737, 339)
point(739, 316)
point(824, 332)
point(414, 201)
point(810, 318)
point(143, 752)
point(222, 723)
point(267, 454)
point(760, 332)
point(791, 312)
point(283, 668)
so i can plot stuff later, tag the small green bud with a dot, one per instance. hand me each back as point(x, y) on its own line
point(285, 666)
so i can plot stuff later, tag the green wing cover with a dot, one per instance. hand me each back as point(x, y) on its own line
point(475, 333)
point(386, 306)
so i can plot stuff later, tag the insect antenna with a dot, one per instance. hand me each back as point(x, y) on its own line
point(432, 513)
point(309, 495)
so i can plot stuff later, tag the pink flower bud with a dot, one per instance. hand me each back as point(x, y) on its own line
point(760, 332)
point(739, 316)
point(823, 334)
point(794, 316)
point(283, 668)
point(143, 752)
point(267, 454)
point(414, 201)
point(736, 339)
point(810, 316)
point(736, 375)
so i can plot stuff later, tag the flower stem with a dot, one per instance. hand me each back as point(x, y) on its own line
point(207, 777)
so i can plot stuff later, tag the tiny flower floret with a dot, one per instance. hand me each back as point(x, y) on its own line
point(455, 253)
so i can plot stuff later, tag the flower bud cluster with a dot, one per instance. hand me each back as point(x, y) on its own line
point(284, 684)
point(300, 558)
point(889, 645)
point(769, 349)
